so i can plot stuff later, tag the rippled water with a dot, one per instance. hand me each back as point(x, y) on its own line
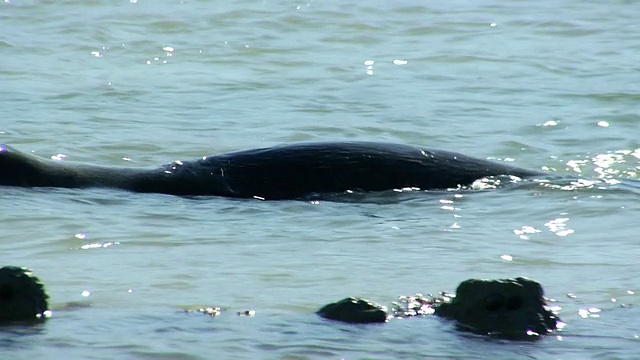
point(541, 85)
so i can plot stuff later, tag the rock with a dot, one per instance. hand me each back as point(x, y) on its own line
point(22, 295)
point(212, 311)
point(509, 308)
point(354, 310)
point(417, 305)
point(246, 313)
point(215, 311)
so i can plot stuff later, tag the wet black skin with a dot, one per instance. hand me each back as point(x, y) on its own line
point(282, 172)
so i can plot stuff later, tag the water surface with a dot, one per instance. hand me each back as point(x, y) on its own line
point(538, 84)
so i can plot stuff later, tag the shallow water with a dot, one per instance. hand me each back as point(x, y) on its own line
point(541, 85)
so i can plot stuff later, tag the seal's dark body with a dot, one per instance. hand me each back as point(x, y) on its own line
point(281, 172)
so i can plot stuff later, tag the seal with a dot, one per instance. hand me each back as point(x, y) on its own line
point(292, 171)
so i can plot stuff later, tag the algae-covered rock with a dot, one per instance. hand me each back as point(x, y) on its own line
point(354, 310)
point(509, 308)
point(22, 295)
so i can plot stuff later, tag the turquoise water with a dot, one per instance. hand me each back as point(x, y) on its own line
point(539, 84)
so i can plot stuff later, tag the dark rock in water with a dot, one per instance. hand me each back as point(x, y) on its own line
point(509, 308)
point(355, 311)
point(22, 295)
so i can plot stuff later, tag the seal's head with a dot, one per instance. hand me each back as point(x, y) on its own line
point(22, 295)
point(19, 169)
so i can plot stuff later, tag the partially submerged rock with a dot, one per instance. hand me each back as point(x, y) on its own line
point(354, 310)
point(508, 308)
point(22, 295)
point(212, 311)
point(417, 305)
point(215, 311)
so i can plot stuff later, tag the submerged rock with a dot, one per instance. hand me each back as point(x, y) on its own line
point(508, 308)
point(215, 311)
point(212, 311)
point(354, 310)
point(22, 295)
